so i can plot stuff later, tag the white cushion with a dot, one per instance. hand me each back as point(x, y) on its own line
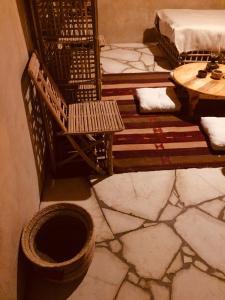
point(158, 99)
point(214, 127)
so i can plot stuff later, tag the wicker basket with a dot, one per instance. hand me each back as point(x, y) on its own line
point(59, 242)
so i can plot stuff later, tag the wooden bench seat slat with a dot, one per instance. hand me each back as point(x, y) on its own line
point(95, 117)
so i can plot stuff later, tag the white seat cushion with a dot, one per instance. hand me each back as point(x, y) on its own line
point(158, 99)
point(214, 127)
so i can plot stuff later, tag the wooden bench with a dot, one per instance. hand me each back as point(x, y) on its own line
point(85, 125)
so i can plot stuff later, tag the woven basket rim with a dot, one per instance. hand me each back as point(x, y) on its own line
point(47, 211)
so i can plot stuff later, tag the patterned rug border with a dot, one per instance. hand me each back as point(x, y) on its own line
point(171, 142)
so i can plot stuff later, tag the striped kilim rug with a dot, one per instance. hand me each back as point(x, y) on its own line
point(154, 141)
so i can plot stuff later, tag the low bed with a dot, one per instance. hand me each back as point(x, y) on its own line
point(188, 35)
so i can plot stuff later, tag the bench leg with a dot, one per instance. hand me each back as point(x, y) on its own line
point(109, 156)
point(86, 158)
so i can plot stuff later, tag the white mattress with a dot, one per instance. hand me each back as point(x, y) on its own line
point(192, 29)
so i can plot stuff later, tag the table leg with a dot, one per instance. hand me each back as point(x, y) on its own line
point(193, 100)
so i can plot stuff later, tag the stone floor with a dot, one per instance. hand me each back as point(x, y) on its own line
point(160, 235)
point(133, 58)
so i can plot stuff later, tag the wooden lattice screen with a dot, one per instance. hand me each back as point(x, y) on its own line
point(67, 39)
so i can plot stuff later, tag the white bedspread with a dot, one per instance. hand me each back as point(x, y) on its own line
point(192, 29)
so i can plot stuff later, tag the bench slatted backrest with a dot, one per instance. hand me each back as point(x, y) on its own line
point(49, 91)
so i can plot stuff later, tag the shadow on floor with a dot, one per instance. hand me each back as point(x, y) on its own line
point(22, 275)
point(223, 171)
point(68, 189)
point(149, 35)
point(40, 289)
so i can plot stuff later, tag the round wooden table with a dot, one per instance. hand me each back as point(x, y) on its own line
point(185, 75)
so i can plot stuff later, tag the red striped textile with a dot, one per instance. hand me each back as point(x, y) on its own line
point(154, 141)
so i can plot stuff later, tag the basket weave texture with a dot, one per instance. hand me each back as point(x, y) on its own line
point(72, 269)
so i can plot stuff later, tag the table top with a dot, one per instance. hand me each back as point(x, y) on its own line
point(185, 75)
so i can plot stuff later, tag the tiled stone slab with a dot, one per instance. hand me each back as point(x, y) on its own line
point(147, 59)
point(129, 45)
point(132, 70)
point(146, 50)
point(115, 246)
point(138, 65)
point(187, 259)
point(143, 283)
point(78, 191)
point(147, 224)
point(151, 249)
point(218, 275)
point(205, 235)
point(176, 265)
point(213, 207)
point(142, 194)
point(193, 284)
point(201, 265)
point(209, 184)
point(151, 68)
point(166, 280)
point(112, 66)
point(102, 244)
point(102, 229)
point(120, 222)
point(106, 48)
point(121, 54)
point(170, 212)
point(103, 278)
point(186, 250)
point(180, 204)
point(159, 292)
point(113, 46)
point(174, 198)
point(128, 291)
point(133, 277)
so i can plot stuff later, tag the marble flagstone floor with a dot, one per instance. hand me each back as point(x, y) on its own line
point(160, 235)
point(133, 58)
